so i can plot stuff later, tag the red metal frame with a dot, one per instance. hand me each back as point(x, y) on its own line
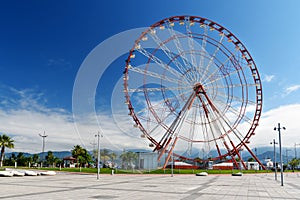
point(163, 144)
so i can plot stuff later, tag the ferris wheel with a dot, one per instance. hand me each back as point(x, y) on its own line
point(193, 90)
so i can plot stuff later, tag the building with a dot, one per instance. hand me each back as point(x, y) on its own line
point(147, 160)
point(181, 165)
point(69, 162)
point(223, 166)
point(252, 165)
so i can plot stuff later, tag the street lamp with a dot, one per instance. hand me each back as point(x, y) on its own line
point(241, 160)
point(98, 135)
point(172, 165)
point(43, 148)
point(275, 166)
point(280, 153)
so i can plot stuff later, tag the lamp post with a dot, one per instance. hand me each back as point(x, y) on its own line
point(275, 166)
point(172, 165)
point(43, 148)
point(241, 160)
point(98, 135)
point(280, 152)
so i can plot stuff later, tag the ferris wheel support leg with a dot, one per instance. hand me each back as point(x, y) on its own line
point(219, 152)
point(232, 156)
point(254, 156)
point(229, 152)
point(238, 154)
point(170, 153)
point(164, 149)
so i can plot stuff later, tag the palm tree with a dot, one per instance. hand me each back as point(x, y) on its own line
point(105, 155)
point(76, 152)
point(294, 163)
point(128, 159)
point(50, 158)
point(5, 141)
point(82, 156)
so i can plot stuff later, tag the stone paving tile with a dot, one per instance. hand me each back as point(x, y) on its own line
point(154, 187)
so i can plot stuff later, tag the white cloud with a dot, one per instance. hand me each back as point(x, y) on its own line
point(291, 89)
point(288, 116)
point(25, 123)
point(268, 78)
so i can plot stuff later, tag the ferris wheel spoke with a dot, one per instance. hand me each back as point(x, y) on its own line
point(229, 124)
point(158, 125)
point(192, 130)
point(180, 50)
point(231, 86)
point(218, 69)
point(236, 112)
point(197, 89)
point(212, 57)
point(154, 74)
point(159, 62)
point(168, 53)
point(207, 112)
point(224, 75)
point(203, 46)
point(171, 133)
point(164, 101)
point(238, 99)
point(159, 89)
point(192, 50)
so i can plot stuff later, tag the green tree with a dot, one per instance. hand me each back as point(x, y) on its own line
point(11, 160)
point(5, 142)
point(28, 160)
point(105, 155)
point(251, 159)
point(35, 158)
point(50, 158)
point(294, 163)
point(21, 159)
point(76, 152)
point(128, 159)
point(82, 156)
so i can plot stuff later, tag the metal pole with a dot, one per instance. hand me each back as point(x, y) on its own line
point(98, 156)
point(280, 152)
point(43, 148)
point(172, 167)
point(275, 166)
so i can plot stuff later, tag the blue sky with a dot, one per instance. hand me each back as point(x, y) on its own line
point(44, 43)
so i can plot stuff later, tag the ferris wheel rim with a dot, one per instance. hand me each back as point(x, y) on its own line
point(229, 35)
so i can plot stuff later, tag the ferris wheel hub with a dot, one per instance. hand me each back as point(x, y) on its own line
point(198, 88)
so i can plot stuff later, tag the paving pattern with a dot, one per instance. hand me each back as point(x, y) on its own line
point(154, 187)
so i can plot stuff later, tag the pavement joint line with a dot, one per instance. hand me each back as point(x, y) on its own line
point(78, 188)
point(194, 192)
point(294, 185)
point(136, 187)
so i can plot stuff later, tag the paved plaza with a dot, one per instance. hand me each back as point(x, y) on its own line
point(154, 187)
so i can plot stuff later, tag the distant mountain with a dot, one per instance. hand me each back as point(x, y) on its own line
point(58, 154)
point(261, 152)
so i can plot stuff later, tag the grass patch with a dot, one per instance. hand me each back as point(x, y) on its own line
point(158, 171)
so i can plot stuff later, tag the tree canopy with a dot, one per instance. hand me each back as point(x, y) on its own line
point(82, 155)
point(5, 142)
